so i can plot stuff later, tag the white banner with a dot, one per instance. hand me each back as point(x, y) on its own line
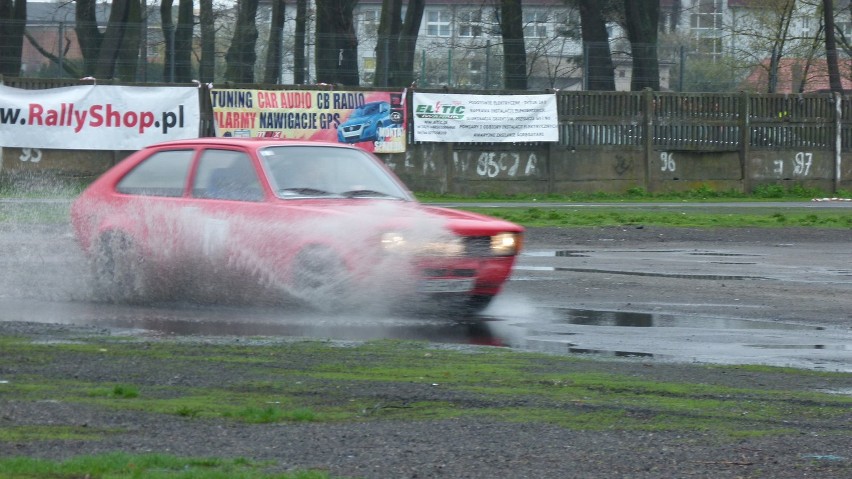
point(97, 117)
point(485, 118)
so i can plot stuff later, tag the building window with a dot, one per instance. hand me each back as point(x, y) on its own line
point(535, 24)
point(438, 23)
point(370, 21)
point(706, 25)
point(470, 23)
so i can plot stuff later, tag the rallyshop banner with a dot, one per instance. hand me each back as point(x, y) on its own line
point(373, 121)
point(97, 117)
point(488, 118)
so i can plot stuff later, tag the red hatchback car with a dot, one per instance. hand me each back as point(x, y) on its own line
point(323, 223)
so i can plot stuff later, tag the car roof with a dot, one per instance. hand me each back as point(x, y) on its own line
point(252, 143)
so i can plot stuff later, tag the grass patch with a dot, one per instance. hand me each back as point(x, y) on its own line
point(52, 433)
point(151, 466)
point(319, 382)
point(626, 216)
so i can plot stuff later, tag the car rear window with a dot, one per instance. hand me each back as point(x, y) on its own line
point(162, 174)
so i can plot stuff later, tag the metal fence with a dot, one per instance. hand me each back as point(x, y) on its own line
point(676, 121)
point(51, 50)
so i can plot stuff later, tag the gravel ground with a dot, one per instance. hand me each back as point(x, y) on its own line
point(460, 448)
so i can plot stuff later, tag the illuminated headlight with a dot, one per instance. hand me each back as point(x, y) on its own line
point(398, 243)
point(393, 241)
point(506, 244)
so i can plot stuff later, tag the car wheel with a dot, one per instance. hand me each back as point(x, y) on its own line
point(319, 277)
point(478, 303)
point(119, 269)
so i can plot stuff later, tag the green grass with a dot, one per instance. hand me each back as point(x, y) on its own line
point(760, 217)
point(149, 466)
point(312, 382)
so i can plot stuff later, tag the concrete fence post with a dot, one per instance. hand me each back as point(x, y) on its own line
point(648, 141)
point(745, 140)
point(838, 139)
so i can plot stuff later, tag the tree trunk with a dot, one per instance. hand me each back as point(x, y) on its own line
point(88, 35)
point(272, 72)
point(241, 55)
point(183, 42)
point(600, 74)
point(336, 43)
point(299, 42)
point(396, 44)
point(168, 40)
point(641, 19)
point(514, 48)
point(387, 42)
point(207, 65)
point(831, 48)
point(113, 37)
point(128, 53)
point(404, 75)
point(13, 23)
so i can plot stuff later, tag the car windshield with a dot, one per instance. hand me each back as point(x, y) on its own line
point(321, 172)
point(368, 109)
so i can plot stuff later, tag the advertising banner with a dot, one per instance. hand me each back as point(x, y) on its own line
point(373, 121)
point(97, 117)
point(485, 118)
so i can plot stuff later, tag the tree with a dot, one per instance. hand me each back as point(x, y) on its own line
point(272, 72)
point(299, 42)
point(13, 20)
point(395, 50)
point(241, 56)
point(207, 65)
point(514, 48)
point(115, 52)
point(183, 42)
point(600, 73)
point(336, 42)
point(831, 47)
point(641, 19)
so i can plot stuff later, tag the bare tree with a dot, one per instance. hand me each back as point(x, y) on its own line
point(395, 50)
point(207, 65)
point(272, 72)
point(641, 18)
point(13, 19)
point(336, 42)
point(514, 48)
point(241, 56)
point(299, 63)
point(117, 45)
point(600, 73)
point(183, 42)
point(831, 47)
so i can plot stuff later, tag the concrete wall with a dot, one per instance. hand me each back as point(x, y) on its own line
point(471, 170)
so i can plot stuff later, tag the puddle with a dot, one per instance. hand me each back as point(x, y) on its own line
point(831, 347)
point(711, 277)
point(590, 317)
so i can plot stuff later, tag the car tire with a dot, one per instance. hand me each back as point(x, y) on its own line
point(319, 277)
point(119, 269)
point(477, 303)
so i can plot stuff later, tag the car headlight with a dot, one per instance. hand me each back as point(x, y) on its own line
point(393, 241)
point(398, 243)
point(506, 244)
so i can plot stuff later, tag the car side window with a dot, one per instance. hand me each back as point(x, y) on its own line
point(164, 173)
point(226, 175)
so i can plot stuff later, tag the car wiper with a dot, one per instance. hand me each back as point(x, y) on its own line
point(304, 192)
point(367, 194)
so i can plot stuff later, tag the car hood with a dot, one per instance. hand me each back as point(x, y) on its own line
point(390, 213)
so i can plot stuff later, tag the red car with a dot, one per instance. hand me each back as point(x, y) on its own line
point(324, 223)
